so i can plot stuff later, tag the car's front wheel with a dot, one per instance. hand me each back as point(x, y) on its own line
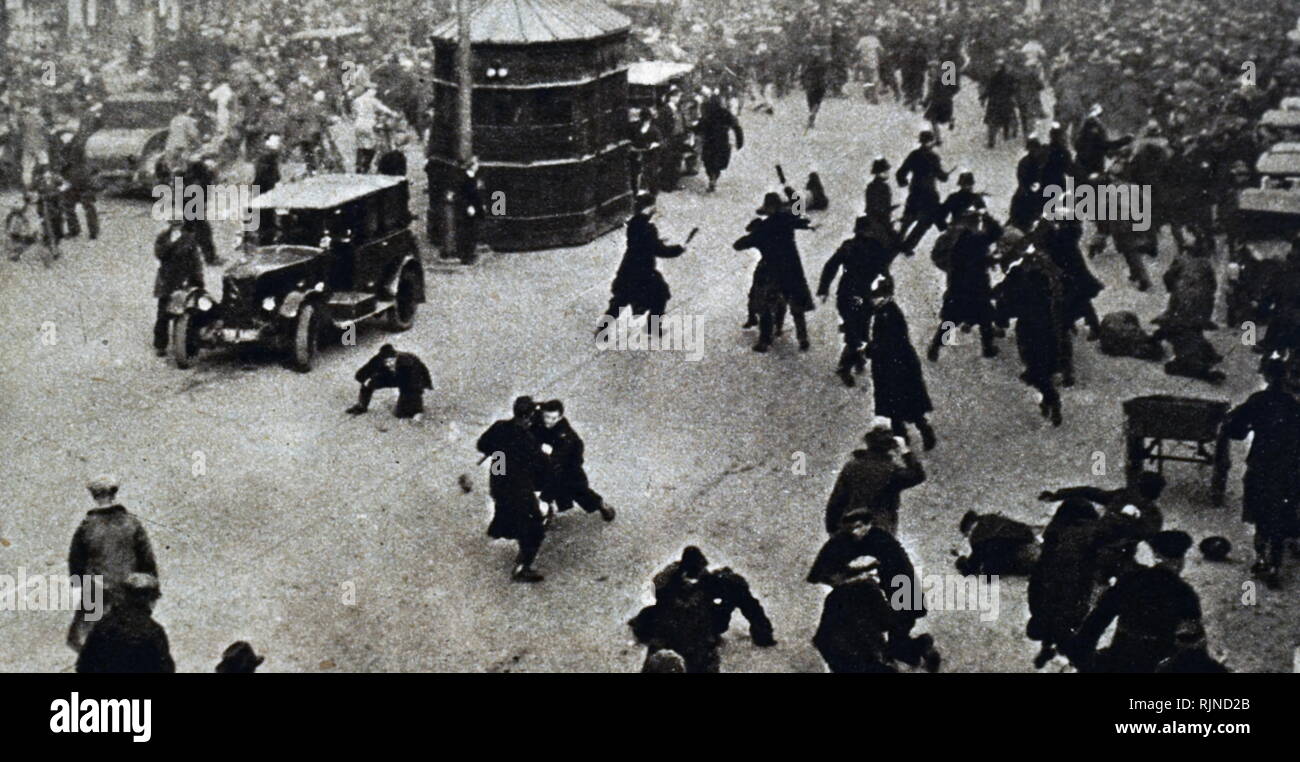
point(184, 341)
point(306, 338)
point(402, 316)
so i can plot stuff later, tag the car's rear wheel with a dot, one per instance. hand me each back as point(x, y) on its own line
point(402, 316)
point(184, 341)
point(306, 338)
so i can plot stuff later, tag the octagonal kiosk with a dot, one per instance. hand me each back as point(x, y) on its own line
point(549, 122)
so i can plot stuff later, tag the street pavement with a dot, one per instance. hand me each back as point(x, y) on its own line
point(334, 543)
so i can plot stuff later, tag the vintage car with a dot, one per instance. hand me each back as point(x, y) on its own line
point(1267, 218)
point(647, 83)
point(1282, 124)
point(1272, 209)
point(126, 150)
point(319, 256)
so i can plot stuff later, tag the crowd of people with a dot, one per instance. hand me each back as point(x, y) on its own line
point(1166, 98)
point(1160, 94)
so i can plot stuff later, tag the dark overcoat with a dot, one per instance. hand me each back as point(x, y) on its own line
point(897, 382)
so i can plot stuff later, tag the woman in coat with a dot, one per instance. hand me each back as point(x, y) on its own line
point(898, 384)
point(715, 125)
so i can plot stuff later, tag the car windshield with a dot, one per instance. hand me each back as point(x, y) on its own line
point(296, 227)
point(141, 114)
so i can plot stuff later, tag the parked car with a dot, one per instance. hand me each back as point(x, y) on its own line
point(126, 151)
point(648, 82)
point(319, 255)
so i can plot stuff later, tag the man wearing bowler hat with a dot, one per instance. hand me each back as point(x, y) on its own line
point(874, 478)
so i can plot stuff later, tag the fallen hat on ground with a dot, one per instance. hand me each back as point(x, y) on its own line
point(1215, 548)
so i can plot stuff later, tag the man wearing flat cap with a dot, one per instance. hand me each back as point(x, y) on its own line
point(1151, 603)
point(840, 561)
point(110, 544)
point(129, 640)
point(852, 634)
point(391, 369)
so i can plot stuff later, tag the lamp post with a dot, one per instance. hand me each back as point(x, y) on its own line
point(465, 83)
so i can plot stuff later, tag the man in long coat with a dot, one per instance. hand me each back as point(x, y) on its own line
point(518, 470)
point(879, 197)
point(1061, 582)
point(109, 546)
point(76, 170)
point(646, 154)
point(897, 382)
point(1271, 486)
point(920, 172)
point(1060, 240)
point(638, 283)
point(715, 127)
point(566, 482)
point(863, 258)
point(779, 278)
point(999, 100)
point(1031, 295)
point(198, 173)
point(968, 298)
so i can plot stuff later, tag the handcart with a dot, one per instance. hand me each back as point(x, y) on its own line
point(1161, 428)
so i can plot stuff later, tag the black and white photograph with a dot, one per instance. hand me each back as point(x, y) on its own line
point(356, 343)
